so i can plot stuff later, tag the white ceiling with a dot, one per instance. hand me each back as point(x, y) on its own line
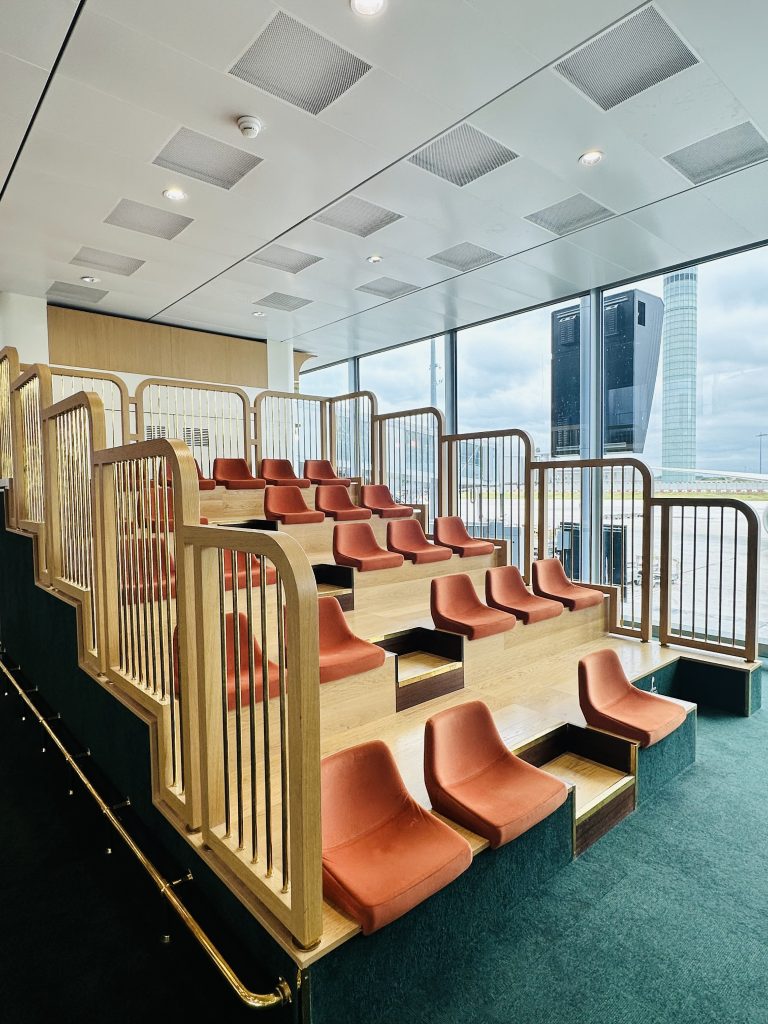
point(133, 74)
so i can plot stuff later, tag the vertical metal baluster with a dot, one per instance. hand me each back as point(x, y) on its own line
point(682, 567)
point(720, 587)
point(706, 579)
point(265, 714)
point(284, 795)
point(122, 631)
point(163, 582)
point(134, 588)
point(224, 696)
point(693, 579)
point(238, 693)
point(735, 568)
point(252, 705)
point(175, 692)
point(145, 569)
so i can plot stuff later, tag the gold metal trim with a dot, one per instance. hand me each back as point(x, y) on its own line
point(279, 996)
point(628, 782)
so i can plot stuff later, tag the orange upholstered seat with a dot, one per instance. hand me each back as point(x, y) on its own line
point(320, 471)
point(242, 571)
point(505, 589)
point(474, 780)
point(286, 505)
point(456, 607)
point(549, 580)
point(334, 501)
point(383, 853)
point(451, 532)
point(407, 537)
point(342, 653)
point(235, 474)
point(378, 499)
point(238, 673)
point(203, 483)
point(355, 544)
point(280, 473)
point(609, 701)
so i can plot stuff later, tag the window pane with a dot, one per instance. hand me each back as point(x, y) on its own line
point(408, 377)
point(525, 371)
point(327, 381)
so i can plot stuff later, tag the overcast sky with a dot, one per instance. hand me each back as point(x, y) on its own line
point(504, 370)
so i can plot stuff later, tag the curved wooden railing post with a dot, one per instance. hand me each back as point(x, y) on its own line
point(214, 420)
point(501, 483)
point(9, 371)
point(411, 458)
point(73, 429)
point(728, 603)
point(30, 394)
point(557, 483)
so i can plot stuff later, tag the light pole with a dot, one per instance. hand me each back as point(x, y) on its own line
point(761, 436)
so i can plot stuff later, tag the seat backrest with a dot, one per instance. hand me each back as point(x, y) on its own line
point(231, 469)
point(332, 498)
point(549, 574)
point(451, 530)
point(504, 583)
point(355, 539)
point(361, 789)
point(405, 533)
point(285, 498)
point(376, 494)
point(454, 595)
point(460, 742)
point(199, 471)
point(602, 679)
point(278, 469)
point(332, 625)
point(319, 467)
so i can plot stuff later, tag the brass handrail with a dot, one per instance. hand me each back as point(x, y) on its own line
point(279, 996)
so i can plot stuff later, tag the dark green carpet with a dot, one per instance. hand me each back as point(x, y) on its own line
point(664, 920)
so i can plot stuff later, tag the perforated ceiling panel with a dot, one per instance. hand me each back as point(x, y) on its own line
point(297, 64)
point(75, 292)
point(462, 155)
point(279, 300)
point(636, 54)
point(387, 287)
point(280, 257)
point(147, 219)
point(110, 262)
point(576, 212)
point(199, 156)
point(465, 256)
point(719, 154)
point(357, 216)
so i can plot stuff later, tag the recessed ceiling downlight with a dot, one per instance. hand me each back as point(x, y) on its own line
point(90, 280)
point(374, 259)
point(591, 158)
point(367, 8)
point(176, 195)
point(258, 312)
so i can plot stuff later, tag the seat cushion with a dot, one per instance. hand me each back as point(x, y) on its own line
point(477, 623)
point(529, 609)
point(641, 716)
point(287, 481)
point(346, 515)
point(431, 553)
point(341, 481)
point(503, 801)
point(296, 518)
point(394, 511)
point(377, 877)
point(206, 485)
point(472, 548)
point(256, 484)
point(369, 563)
point(350, 658)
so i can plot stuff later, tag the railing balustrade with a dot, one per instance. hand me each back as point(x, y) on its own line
point(488, 477)
point(352, 441)
point(410, 456)
point(112, 391)
point(31, 393)
point(709, 555)
point(291, 426)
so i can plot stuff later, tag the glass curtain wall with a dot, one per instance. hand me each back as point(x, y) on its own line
point(684, 363)
point(407, 377)
point(327, 381)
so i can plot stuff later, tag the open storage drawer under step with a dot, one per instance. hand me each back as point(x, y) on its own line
point(430, 663)
point(603, 769)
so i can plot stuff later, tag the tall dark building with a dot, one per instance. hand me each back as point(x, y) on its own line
point(632, 323)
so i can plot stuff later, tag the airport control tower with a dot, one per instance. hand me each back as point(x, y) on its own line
point(679, 353)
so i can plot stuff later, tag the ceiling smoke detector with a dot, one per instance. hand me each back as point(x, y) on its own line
point(249, 126)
